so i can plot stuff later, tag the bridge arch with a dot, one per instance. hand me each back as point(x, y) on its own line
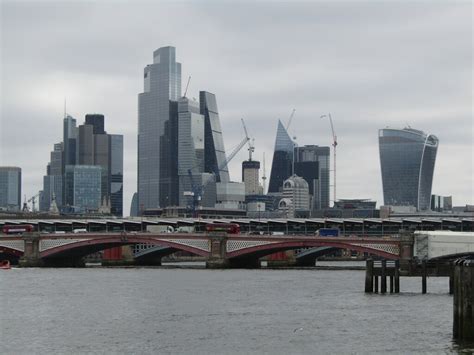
point(87, 246)
point(259, 251)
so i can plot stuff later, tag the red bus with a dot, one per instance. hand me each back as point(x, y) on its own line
point(230, 228)
point(17, 228)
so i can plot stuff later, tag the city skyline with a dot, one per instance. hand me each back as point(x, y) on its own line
point(422, 79)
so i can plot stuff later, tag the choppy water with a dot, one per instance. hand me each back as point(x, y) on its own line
point(145, 311)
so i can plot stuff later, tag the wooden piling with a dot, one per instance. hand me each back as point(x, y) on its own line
point(397, 276)
point(423, 277)
point(463, 300)
point(376, 284)
point(391, 284)
point(383, 278)
point(369, 276)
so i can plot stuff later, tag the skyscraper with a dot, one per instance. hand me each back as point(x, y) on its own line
point(10, 188)
point(407, 160)
point(83, 187)
point(282, 164)
point(214, 151)
point(157, 131)
point(317, 175)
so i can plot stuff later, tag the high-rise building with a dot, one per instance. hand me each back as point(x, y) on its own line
point(92, 146)
point(157, 131)
point(10, 188)
point(282, 165)
point(83, 187)
point(214, 151)
point(317, 175)
point(295, 201)
point(250, 177)
point(407, 159)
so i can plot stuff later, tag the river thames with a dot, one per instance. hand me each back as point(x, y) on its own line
point(196, 311)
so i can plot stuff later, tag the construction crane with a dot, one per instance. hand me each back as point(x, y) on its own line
point(334, 144)
point(197, 190)
point(290, 119)
point(187, 85)
point(33, 202)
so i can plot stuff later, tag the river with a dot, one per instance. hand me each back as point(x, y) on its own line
point(196, 311)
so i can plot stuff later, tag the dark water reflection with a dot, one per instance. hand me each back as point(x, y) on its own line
point(147, 311)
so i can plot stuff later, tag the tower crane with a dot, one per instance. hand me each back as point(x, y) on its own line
point(33, 202)
point(187, 85)
point(197, 190)
point(334, 144)
point(290, 119)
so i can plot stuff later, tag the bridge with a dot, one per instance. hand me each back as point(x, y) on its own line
point(227, 250)
point(219, 249)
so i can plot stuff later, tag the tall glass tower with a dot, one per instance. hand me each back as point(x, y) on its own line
point(407, 160)
point(282, 164)
point(157, 131)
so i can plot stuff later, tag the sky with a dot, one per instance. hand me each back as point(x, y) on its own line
point(371, 64)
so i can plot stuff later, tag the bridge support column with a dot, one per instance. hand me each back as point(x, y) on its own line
point(369, 276)
point(31, 255)
point(218, 256)
point(463, 315)
point(407, 241)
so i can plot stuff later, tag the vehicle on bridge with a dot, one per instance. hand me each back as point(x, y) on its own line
point(328, 232)
point(230, 228)
point(17, 229)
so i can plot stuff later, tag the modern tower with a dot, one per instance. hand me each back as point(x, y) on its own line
point(317, 175)
point(407, 160)
point(282, 164)
point(214, 151)
point(250, 177)
point(157, 131)
point(10, 188)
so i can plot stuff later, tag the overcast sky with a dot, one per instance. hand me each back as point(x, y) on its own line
point(371, 64)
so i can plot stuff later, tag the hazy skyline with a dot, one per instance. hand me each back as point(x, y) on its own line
point(371, 64)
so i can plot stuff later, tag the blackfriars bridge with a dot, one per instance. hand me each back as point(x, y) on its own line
point(227, 250)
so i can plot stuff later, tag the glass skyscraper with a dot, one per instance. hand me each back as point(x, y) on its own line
point(157, 131)
point(10, 188)
point(282, 164)
point(83, 187)
point(407, 160)
point(214, 151)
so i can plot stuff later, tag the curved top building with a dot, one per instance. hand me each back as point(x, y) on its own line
point(407, 159)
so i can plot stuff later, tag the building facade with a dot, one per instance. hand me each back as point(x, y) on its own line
point(407, 160)
point(83, 188)
point(250, 177)
point(214, 151)
point(282, 164)
point(10, 188)
point(295, 201)
point(317, 175)
point(157, 131)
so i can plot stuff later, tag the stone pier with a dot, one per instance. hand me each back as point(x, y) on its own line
point(31, 255)
point(218, 259)
point(463, 305)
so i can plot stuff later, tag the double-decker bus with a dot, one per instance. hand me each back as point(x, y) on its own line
point(17, 228)
point(230, 228)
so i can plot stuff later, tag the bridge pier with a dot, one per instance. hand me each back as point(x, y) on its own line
point(407, 242)
point(373, 272)
point(218, 256)
point(463, 300)
point(31, 255)
point(64, 262)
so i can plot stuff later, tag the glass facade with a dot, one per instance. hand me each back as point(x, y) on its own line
point(10, 188)
point(157, 131)
point(83, 187)
point(116, 174)
point(315, 153)
point(407, 160)
point(214, 151)
point(282, 164)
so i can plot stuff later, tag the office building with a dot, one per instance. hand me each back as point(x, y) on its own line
point(10, 188)
point(214, 151)
point(250, 177)
point(441, 203)
point(96, 120)
point(157, 131)
point(69, 141)
point(83, 188)
point(230, 195)
point(134, 205)
point(295, 201)
point(317, 175)
point(282, 165)
point(407, 160)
